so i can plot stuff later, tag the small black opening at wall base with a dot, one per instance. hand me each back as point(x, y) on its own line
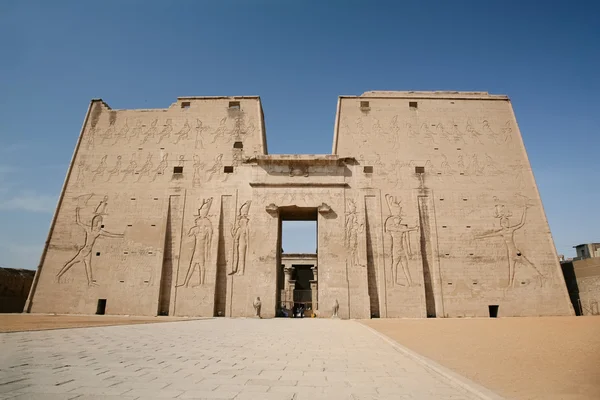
point(493, 311)
point(101, 309)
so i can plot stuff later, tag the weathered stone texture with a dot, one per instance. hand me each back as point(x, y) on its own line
point(427, 206)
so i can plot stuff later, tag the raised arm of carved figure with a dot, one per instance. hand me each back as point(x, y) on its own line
point(523, 217)
point(489, 234)
point(112, 235)
point(191, 232)
point(78, 219)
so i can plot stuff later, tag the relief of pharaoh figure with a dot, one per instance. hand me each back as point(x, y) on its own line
point(353, 228)
point(92, 232)
point(241, 236)
point(400, 233)
point(202, 232)
point(507, 233)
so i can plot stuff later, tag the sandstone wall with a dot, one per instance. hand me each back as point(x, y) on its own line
point(458, 177)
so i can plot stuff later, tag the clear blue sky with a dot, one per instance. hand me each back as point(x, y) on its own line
point(298, 56)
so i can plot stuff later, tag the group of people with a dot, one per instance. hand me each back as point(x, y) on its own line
point(297, 311)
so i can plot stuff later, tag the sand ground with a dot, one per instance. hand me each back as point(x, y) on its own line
point(519, 358)
point(40, 322)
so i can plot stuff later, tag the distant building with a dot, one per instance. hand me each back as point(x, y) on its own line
point(582, 276)
point(587, 250)
point(14, 288)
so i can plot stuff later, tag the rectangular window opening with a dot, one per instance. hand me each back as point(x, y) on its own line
point(234, 105)
point(178, 170)
point(413, 105)
point(368, 169)
point(238, 145)
point(97, 253)
point(493, 311)
point(228, 169)
point(419, 170)
point(185, 104)
point(101, 307)
point(364, 104)
point(101, 226)
point(153, 225)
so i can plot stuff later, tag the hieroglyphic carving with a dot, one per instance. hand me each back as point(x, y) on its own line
point(400, 234)
point(183, 133)
point(473, 133)
point(197, 177)
point(200, 129)
point(221, 130)
point(81, 169)
point(146, 168)
point(151, 132)
point(161, 167)
point(99, 171)
point(108, 133)
point(130, 170)
point(241, 236)
point(136, 131)
point(217, 167)
point(122, 133)
point(202, 232)
point(166, 131)
point(353, 229)
point(116, 170)
point(92, 232)
point(507, 233)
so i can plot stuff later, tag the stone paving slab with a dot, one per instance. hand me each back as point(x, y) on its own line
point(217, 359)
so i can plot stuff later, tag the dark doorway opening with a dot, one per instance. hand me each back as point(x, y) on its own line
point(493, 311)
point(101, 308)
point(297, 263)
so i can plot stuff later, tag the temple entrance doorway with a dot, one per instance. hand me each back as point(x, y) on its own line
point(297, 288)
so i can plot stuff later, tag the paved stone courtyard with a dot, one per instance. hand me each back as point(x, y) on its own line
point(216, 359)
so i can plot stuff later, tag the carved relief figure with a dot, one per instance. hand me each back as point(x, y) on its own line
point(122, 134)
point(166, 132)
point(202, 232)
point(108, 133)
point(221, 129)
point(241, 236)
point(161, 167)
point(146, 168)
point(130, 170)
point(216, 168)
point(353, 228)
point(183, 132)
point(400, 233)
point(473, 134)
point(92, 232)
point(81, 168)
point(487, 130)
point(428, 133)
point(91, 136)
point(200, 129)
point(507, 233)
point(197, 178)
point(151, 132)
point(116, 170)
point(136, 131)
point(99, 171)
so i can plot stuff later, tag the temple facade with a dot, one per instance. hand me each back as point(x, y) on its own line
point(426, 207)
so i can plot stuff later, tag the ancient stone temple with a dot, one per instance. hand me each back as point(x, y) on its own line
point(426, 207)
